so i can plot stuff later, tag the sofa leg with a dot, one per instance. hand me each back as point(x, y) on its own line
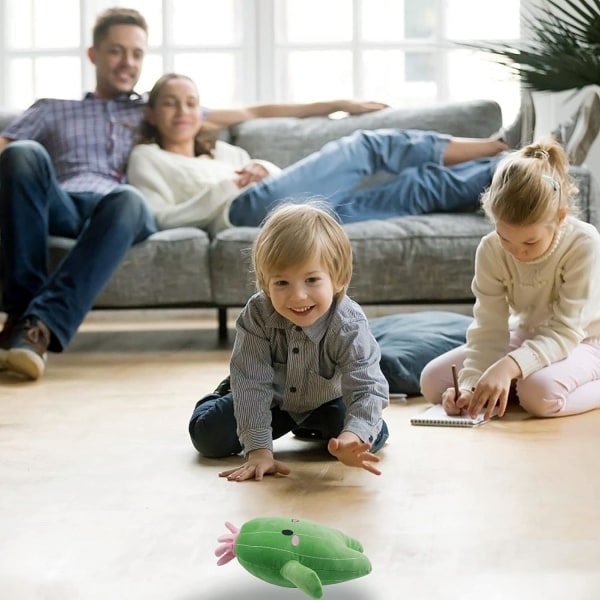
point(222, 315)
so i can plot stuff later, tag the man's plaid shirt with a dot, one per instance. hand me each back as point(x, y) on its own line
point(88, 140)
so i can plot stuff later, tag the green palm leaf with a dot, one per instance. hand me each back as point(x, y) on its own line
point(564, 50)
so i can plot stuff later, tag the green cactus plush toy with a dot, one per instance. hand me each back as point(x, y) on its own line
point(294, 553)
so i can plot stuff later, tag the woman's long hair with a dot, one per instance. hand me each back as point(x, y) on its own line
point(204, 143)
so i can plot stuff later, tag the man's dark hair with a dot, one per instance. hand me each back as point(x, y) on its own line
point(116, 16)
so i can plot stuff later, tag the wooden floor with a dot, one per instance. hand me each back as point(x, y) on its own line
point(103, 497)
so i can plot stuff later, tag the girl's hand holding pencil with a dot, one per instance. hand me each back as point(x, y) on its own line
point(454, 401)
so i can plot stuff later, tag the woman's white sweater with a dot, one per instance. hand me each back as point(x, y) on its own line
point(184, 191)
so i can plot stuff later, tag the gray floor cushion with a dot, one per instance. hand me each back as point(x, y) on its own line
point(408, 341)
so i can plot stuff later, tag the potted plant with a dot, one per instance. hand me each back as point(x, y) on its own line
point(562, 49)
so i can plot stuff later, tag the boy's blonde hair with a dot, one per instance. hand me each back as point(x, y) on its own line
point(293, 234)
point(531, 185)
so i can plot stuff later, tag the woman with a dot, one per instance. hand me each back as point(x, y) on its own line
point(189, 182)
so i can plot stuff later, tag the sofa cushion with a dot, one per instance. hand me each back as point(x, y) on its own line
point(170, 268)
point(283, 141)
point(231, 266)
point(427, 258)
point(408, 341)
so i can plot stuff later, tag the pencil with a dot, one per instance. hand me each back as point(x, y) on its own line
point(455, 379)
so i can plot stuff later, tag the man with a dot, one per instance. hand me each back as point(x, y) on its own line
point(62, 167)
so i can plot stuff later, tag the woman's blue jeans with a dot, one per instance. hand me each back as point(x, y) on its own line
point(34, 206)
point(213, 428)
point(421, 184)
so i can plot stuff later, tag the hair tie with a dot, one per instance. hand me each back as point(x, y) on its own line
point(552, 182)
point(541, 154)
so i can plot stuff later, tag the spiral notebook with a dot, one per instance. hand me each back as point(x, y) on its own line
point(436, 416)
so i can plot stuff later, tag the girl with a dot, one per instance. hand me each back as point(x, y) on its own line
point(537, 299)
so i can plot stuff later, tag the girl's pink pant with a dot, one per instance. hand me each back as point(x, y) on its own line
point(567, 387)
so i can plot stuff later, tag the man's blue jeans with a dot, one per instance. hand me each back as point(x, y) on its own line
point(335, 173)
point(34, 206)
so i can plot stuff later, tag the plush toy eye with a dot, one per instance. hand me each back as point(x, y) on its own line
point(295, 538)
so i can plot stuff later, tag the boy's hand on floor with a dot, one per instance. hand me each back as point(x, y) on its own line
point(258, 463)
point(353, 452)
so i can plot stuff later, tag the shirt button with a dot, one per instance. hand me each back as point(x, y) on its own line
point(293, 390)
point(295, 350)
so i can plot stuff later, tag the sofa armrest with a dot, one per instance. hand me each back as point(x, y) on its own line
point(589, 194)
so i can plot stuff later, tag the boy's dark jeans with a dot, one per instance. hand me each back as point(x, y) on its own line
point(213, 427)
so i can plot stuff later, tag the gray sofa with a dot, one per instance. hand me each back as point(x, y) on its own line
point(408, 260)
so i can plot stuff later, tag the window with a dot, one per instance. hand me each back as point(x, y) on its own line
point(241, 52)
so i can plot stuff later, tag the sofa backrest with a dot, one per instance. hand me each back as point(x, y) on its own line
point(285, 140)
point(6, 116)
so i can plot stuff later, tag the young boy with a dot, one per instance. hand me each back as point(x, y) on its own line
point(303, 358)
